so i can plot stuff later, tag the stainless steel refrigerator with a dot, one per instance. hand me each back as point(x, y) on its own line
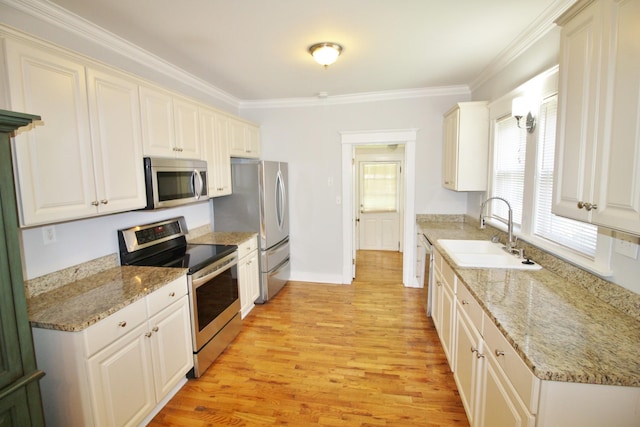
point(259, 203)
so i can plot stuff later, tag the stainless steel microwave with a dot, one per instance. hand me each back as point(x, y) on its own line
point(174, 182)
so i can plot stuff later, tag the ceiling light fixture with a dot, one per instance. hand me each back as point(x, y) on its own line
point(325, 53)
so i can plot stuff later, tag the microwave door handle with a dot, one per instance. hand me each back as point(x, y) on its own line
point(196, 188)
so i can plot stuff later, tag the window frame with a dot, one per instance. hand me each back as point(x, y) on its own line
point(544, 85)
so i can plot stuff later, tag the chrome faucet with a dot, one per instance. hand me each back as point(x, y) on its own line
point(511, 239)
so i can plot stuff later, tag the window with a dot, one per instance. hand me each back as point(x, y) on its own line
point(379, 186)
point(509, 159)
point(533, 196)
point(576, 235)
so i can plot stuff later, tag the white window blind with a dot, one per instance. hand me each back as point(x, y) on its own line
point(576, 235)
point(380, 185)
point(509, 160)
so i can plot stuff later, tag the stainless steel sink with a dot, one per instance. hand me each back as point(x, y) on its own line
point(483, 254)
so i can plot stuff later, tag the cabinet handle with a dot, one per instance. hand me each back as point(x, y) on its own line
point(122, 324)
point(499, 353)
point(172, 294)
point(95, 203)
point(465, 302)
point(155, 329)
point(104, 201)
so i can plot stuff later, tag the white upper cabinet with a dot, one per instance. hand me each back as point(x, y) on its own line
point(466, 147)
point(244, 139)
point(78, 161)
point(213, 134)
point(598, 144)
point(114, 113)
point(170, 125)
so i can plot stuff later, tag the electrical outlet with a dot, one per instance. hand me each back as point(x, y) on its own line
point(49, 234)
point(626, 245)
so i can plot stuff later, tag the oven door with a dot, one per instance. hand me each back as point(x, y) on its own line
point(213, 299)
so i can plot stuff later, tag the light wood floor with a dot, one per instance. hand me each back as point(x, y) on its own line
point(329, 355)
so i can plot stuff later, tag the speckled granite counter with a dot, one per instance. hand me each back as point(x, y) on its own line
point(224, 238)
point(562, 330)
point(78, 305)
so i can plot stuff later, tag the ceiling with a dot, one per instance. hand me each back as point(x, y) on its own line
point(257, 49)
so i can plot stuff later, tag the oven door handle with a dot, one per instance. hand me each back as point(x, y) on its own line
point(219, 268)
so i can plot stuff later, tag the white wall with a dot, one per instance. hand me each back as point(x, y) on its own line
point(308, 138)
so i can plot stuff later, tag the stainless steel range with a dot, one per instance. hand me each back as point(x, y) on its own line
point(212, 277)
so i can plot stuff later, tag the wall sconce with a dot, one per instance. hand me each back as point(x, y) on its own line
point(520, 108)
point(325, 53)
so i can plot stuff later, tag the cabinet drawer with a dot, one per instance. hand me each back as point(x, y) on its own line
point(524, 382)
point(107, 330)
point(246, 247)
point(449, 277)
point(471, 307)
point(166, 295)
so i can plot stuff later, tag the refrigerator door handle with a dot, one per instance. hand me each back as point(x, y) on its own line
point(280, 199)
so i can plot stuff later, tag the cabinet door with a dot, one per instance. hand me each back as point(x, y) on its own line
point(253, 272)
point(617, 191)
point(14, 409)
point(448, 324)
point(469, 364)
point(578, 103)
point(450, 150)
point(213, 132)
point(121, 380)
point(436, 302)
point(53, 161)
point(114, 111)
point(501, 406)
point(236, 138)
point(171, 348)
point(158, 132)
point(252, 141)
point(187, 129)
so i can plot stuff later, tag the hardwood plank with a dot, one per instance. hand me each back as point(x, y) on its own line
point(329, 355)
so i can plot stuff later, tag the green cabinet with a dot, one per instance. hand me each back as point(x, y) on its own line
point(20, 401)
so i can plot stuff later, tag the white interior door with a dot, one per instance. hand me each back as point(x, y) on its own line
point(379, 194)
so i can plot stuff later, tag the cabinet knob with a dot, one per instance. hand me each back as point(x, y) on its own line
point(122, 324)
point(439, 283)
point(172, 294)
point(155, 329)
point(589, 206)
point(580, 205)
point(95, 203)
point(148, 335)
point(479, 356)
point(104, 201)
point(499, 353)
point(465, 302)
point(473, 350)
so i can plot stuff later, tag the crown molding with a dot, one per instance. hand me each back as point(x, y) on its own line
point(55, 15)
point(355, 98)
point(534, 32)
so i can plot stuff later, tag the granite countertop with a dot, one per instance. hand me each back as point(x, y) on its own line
point(562, 331)
point(79, 304)
point(94, 290)
point(224, 238)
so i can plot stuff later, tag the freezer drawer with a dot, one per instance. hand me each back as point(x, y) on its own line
point(274, 256)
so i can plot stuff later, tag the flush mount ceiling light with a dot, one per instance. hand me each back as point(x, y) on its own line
point(325, 53)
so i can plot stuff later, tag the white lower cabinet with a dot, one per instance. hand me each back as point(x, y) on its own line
point(117, 371)
point(443, 306)
point(248, 275)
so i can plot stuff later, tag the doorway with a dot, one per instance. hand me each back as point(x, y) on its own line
point(350, 140)
point(379, 197)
